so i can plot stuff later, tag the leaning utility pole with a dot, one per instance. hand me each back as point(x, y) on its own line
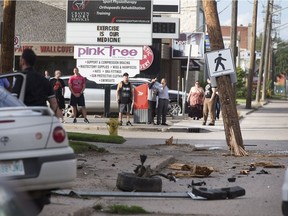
point(229, 112)
point(262, 53)
point(267, 52)
point(8, 34)
point(252, 56)
point(233, 32)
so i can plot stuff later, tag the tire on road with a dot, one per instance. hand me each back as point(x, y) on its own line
point(131, 182)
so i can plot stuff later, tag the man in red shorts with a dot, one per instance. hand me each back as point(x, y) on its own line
point(77, 85)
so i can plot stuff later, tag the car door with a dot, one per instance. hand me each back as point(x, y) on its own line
point(21, 127)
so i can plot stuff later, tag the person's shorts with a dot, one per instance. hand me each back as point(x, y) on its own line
point(125, 108)
point(80, 101)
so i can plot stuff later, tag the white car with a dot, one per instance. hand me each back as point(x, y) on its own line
point(35, 155)
point(285, 194)
point(95, 97)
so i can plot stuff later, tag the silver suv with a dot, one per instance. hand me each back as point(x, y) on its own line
point(95, 97)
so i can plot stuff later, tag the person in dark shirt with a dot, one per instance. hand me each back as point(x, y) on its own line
point(38, 89)
point(58, 86)
point(124, 97)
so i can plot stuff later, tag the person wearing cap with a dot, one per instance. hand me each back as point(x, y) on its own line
point(38, 89)
point(124, 98)
point(209, 103)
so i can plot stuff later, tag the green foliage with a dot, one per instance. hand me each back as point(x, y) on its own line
point(240, 78)
point(281, 58)
point(95, 138)
point(259, 42)
point(82, 147)
point(98, 207)
point(125, 210)
point(241, 89)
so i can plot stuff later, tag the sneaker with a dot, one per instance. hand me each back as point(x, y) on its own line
point(211, 124)
point(120, 123)
point(86, 120)
point(204, 123)
point(128, 123)
point(75, 120)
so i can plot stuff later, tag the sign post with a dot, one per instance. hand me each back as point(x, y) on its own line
point(186, 82)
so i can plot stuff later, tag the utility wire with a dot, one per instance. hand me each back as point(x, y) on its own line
point(225, 8)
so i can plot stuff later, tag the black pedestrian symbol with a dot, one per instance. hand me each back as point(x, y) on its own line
point(218, 62)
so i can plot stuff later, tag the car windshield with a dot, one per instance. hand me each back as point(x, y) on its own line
point(8, 100)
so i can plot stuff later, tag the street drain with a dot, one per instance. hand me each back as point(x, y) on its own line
point(193, 130)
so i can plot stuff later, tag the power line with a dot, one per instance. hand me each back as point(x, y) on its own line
point(225, 8)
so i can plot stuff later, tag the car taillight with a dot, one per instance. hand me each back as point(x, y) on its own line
point(59, 134)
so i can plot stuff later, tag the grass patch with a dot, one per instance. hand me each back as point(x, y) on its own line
point(98, 207)
point(126, 210)
point(241, 100)
point(95, 138)
point(82, 147)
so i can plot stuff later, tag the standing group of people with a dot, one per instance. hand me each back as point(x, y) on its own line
point(204, 102)
point(39, 90)
point(158, 99)
point(76, 84)
point(158, 96)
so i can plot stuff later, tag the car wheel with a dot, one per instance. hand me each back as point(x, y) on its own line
point(174, 109)
point(67, 112)
point(131, 182)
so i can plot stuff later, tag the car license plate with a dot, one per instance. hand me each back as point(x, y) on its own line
point(11, 168)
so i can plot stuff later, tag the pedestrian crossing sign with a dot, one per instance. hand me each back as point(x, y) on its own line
point(220, 62)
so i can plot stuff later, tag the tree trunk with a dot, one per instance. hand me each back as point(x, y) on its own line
point(8, 34)
point(228, 107)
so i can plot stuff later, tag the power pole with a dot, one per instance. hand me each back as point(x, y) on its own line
point(263, 47)
point(233, 32)
point(234, 37)
point(252, 56)
point(267, 51)
point(8, 34)
point(229, 112)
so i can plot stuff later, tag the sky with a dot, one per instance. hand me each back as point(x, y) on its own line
point(245, 13)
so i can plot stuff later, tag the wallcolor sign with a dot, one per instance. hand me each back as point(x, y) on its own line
point(108, 52)
point(113, 22)
point(46, 49)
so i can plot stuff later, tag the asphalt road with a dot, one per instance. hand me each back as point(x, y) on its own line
point(265, 136)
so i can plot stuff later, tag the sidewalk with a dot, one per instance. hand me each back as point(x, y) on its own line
point(175, 124)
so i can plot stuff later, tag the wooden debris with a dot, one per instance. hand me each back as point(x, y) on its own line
point(244, 172)
point(266, 164)
point(190, 170)
point(169, 141)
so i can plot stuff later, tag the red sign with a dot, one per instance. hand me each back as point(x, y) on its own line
point(141, 97)
point(148, 58)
